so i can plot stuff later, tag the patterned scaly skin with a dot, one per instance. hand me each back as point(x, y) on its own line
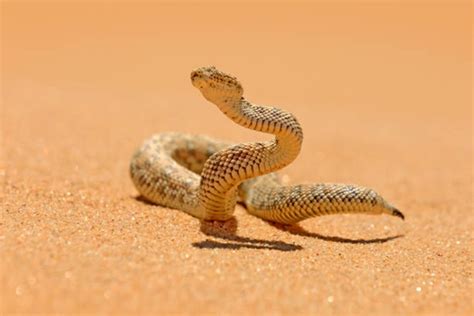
point(205, 177)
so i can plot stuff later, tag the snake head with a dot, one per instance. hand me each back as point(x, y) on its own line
point(216, 85)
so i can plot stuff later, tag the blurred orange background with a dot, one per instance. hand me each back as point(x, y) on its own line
point(389, 56)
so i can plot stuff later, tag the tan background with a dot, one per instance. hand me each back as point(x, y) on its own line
point(383, 92)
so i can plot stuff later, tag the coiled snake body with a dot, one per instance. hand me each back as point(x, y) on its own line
point(205, 177)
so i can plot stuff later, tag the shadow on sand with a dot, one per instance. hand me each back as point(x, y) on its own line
point(295, 229)
point(227, 231)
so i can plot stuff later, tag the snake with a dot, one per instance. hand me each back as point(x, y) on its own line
point(206, 178)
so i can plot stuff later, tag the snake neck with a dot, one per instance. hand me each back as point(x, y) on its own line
point(288, 132)
point(225, 170)
point(286, 128)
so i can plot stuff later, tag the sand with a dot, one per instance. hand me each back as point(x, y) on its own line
point(383, 93)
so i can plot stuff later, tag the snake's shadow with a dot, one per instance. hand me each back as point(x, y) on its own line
point(295, 229)
point(228, 231)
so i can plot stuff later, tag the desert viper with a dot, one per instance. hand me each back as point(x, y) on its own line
point(205, 177)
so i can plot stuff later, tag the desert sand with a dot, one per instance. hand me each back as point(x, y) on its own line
point(383, 93)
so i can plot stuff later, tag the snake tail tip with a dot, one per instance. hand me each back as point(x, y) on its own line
point(397, 213)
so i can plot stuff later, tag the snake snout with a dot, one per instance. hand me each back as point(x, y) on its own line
point(194, 74)
point(196, 79)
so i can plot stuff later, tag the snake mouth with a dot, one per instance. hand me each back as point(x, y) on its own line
point(199, 78)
